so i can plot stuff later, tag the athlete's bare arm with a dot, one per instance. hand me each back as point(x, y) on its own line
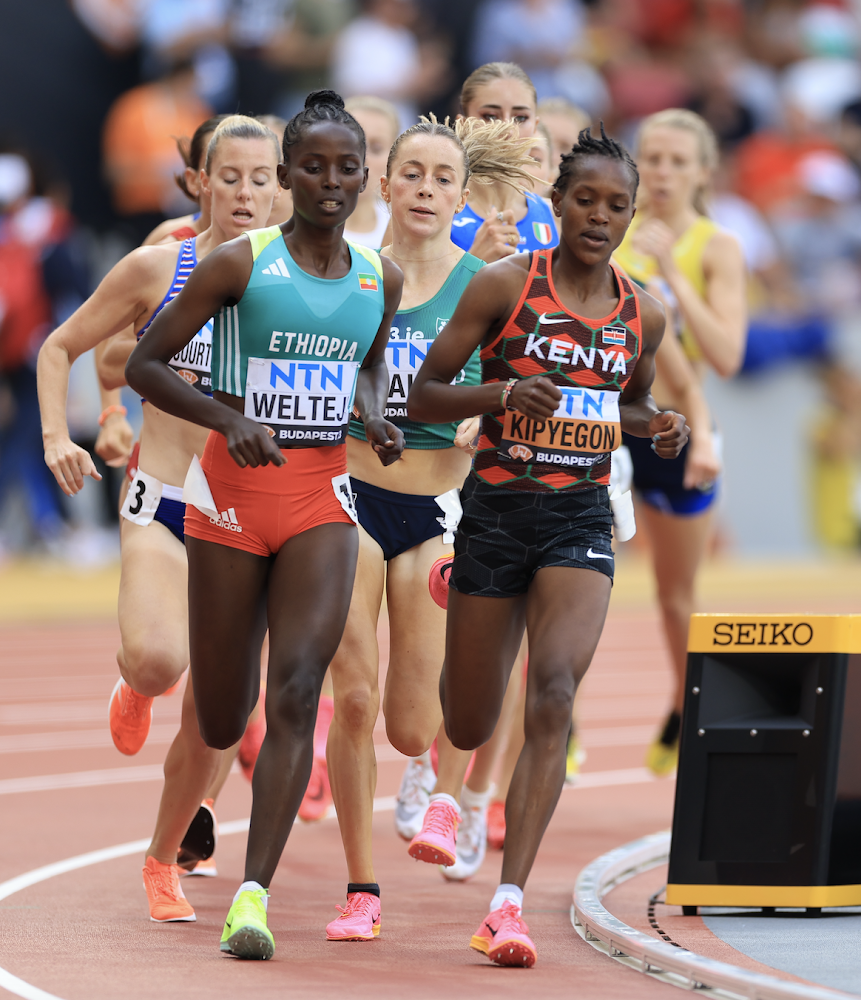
point(718, 322)
point(372, 385)
point(679, 380)
point(219, 279)
point(126, 296)
point(111, 358)
point(482, 311)
point(638, 412)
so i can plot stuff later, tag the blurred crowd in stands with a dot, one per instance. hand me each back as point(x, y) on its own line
point(105, 87)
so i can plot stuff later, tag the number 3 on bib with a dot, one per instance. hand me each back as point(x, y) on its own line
point(344, 492)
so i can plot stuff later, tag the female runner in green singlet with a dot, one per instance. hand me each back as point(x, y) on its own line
point(303, 321)
point(533, 549)
point(701, 268)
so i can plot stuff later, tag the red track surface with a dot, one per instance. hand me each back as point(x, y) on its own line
point(85, 935)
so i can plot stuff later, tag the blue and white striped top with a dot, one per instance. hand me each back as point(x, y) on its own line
point(193, 362)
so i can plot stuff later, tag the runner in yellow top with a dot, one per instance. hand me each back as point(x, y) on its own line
point(700, 271)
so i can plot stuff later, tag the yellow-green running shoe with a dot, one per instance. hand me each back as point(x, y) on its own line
point(245, 932)
point(662, 757)
point(574, 759)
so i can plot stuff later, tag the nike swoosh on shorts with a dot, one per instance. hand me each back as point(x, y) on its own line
point(596, 555)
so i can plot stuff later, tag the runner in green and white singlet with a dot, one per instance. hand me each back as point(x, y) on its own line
point(302, 324)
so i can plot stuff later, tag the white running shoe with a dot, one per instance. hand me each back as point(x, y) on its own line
point(471, 836)
point(413, 796)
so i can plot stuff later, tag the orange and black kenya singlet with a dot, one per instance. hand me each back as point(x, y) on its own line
point(590, 360)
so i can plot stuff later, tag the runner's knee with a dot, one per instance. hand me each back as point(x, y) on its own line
point(356, 709)
point(548, 712)
point(150, 668)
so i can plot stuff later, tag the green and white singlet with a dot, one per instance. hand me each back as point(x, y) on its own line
point(412, 333)
point(293, 344)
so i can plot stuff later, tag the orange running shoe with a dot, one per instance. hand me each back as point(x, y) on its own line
point(318, 795)
point(504, 937)
point(435, 842)
point(130, 717)
point(496, 825)
point(166, 899)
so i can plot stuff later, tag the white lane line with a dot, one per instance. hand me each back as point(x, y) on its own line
point(79, 739)
point(82, 779)
point(21, 988)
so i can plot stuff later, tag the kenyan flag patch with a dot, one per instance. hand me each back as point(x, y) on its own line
point(543, 232)
point(368, 282)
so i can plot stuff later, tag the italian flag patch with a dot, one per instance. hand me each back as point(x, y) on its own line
point(543, 232)
point(368, 282)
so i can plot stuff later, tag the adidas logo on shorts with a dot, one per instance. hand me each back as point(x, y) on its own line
point(227, 519)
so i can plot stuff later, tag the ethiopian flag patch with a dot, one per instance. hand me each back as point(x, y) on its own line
point(368, 282)
point(543, 232)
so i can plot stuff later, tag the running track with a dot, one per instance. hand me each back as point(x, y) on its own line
point(84, 935)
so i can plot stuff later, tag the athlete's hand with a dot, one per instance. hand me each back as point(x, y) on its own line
point(386, 439)
point(702, 466)
point(250, 443)
point(115, 440)
point(466, 436)
point(655, 239)
point(70, 464)
point(495, 238)
point(669, 433)
point(536, 397)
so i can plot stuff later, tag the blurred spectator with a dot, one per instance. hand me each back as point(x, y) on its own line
point(849, 134)
point(25, 321)
point(767, 162)
point(379, 54)
point(116, 23)
point(539, 35)
point(176, 31)
point(829, 76)
point(140, 152)
point(252, 26)
point(642, 81)
point(301, 49)
point(564, 122)
point(380, 122)
point(719, 98)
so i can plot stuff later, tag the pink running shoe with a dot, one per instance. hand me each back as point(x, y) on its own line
point(252, 739)
point(360, 921)
point(438, 579)
point(496, 825)
point(504, 937)
point(435, 842)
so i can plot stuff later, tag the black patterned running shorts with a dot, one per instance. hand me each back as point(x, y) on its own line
point(506, 536)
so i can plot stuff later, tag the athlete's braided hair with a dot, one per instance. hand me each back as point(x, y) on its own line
point(588, 145)
point(320, 106)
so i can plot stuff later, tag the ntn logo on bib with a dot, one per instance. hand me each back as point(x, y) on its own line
point(304, 404)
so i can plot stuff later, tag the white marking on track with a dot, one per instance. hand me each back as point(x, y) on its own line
point(21, 988)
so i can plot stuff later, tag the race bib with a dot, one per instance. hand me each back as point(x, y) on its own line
point(403, 359)
point(344, 492)
point(193, 361)
point(303, 404)
point(142, 499)
point(582, 432)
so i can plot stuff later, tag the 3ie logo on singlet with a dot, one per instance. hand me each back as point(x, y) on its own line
point(582, 432)
point(405, 352)
point(303, 404)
